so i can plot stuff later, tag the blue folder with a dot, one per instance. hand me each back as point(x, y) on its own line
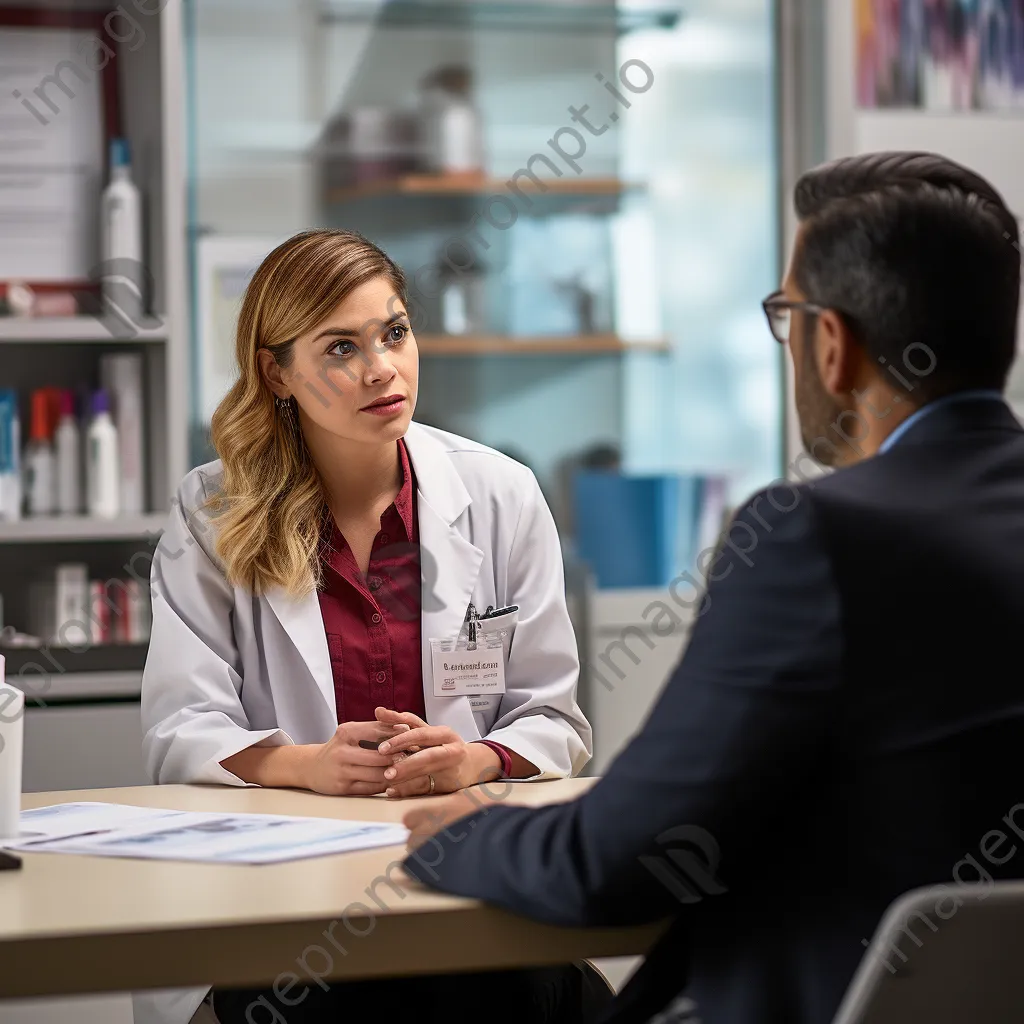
point(637, 531)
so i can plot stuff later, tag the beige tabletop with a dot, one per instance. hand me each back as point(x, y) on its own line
point(71, 924)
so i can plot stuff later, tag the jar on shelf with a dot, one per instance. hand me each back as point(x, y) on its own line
point(451, 131)
point(365, 145)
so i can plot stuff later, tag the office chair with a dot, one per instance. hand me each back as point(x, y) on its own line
point(935, 960)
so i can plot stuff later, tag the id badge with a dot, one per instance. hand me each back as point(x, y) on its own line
point(460, 672)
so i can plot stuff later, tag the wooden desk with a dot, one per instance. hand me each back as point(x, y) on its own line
point(71, 924)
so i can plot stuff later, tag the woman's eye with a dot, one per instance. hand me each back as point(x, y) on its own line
point(342, 348)
point(396, 334)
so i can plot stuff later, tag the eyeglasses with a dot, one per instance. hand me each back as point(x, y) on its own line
point(779, 312)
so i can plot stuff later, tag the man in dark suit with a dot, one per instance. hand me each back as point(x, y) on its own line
point(848, 719)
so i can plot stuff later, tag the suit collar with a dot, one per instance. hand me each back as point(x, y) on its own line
point(957, 415)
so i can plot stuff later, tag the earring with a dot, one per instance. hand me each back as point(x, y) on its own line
point(286, 408)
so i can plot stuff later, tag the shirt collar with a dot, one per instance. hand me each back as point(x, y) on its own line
point(405, 501)
point(404, 505)
point(927, 410)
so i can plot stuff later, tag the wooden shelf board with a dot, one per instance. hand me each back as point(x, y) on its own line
point(484, 345)
point(476, 184)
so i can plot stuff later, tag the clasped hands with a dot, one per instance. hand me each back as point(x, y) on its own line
point(409, 752)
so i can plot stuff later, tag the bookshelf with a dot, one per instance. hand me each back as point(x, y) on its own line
point(66, 352)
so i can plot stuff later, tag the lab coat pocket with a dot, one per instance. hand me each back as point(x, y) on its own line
point(505, 625)
point(486, 708)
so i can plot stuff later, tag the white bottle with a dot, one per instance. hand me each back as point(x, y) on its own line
point(121, 376)
point(68, 445)
point(40, 463)
point(102, 470)
point(122, 273)
point(451, 124)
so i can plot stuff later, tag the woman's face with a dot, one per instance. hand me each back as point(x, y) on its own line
point(355, 375)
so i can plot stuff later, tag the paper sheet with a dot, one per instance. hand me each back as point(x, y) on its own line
point(52, 156)
point(116, 830)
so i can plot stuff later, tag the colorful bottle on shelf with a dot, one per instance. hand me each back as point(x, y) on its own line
point(68, 445)
point(122, 274)
point(10, 456)
point(102, 470)
point(40, 461)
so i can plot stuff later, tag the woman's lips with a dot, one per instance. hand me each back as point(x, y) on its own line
point(387, 409)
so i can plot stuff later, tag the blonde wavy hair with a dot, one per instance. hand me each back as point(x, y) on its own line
point(271, 507)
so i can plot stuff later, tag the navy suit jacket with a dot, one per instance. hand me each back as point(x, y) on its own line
point(846, 723)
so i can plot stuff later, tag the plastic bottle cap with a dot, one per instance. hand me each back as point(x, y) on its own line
point(40, 430)
point(100, 402)
point(120, 153)
point(20, 298)
point(67, 403)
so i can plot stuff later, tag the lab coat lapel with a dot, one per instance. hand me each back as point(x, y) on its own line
point(449, 564)
point(303, 622)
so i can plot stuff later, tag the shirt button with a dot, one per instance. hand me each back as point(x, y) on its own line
point(375, 582)
point(375, 618)
point(383, 539)
point(381, 676)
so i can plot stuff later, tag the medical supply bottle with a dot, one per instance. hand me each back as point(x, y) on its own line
point(68, 445)
point(40, 463)
point(102, 472)
point(122, 276)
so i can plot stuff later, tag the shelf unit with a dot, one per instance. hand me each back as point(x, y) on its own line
point(65, 352)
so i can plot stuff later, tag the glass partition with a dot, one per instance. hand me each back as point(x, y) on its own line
point(581, 193)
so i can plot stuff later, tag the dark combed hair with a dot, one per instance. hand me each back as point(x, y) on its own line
point(913, 249)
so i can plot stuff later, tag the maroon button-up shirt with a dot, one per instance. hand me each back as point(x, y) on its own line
point(373, 622)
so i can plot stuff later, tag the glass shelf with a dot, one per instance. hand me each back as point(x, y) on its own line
point(492, 345)
point(505, 16)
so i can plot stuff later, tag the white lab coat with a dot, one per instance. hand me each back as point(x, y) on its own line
point(227, 670)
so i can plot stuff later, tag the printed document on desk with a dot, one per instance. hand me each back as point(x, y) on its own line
point(112, 830)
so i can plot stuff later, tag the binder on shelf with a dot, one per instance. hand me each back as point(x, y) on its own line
point(642, 531)
point(59, 606)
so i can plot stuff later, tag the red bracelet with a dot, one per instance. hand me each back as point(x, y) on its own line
point(506, 758)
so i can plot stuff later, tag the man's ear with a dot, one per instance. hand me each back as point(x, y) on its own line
point(837, 353)
point(270, 371)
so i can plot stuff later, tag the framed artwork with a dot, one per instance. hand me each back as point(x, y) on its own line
point(224, 266)
point(943, 55)
point(57, 111)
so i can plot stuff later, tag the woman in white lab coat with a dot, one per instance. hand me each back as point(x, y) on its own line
point(280, 602)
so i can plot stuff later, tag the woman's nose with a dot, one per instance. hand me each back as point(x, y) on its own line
point(379, 369)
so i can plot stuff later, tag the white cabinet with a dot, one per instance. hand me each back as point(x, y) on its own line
point(88, 746)
point(628, 658)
